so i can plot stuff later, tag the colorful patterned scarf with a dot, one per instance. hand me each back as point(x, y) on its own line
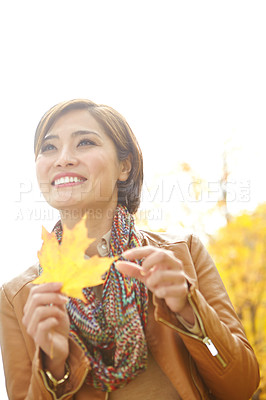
point(111, 331)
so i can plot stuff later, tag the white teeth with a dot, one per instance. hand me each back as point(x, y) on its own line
point(67, 179)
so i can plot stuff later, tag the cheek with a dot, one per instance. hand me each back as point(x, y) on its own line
point(42, 171)
point(102, 175)
point(102, 165)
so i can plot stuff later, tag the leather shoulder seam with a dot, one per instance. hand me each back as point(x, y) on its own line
point(13, 295)
point(5, 295)
point(189, 242)
point(14, 287)
point(162, 239)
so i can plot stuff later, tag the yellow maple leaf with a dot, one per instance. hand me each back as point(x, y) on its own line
point(66, 262)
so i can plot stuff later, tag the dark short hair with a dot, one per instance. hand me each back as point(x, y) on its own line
point(117, 128)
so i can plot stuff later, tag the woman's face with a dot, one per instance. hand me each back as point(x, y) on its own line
point(77, 167)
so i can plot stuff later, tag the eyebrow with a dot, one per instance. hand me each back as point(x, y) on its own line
point(75, 133)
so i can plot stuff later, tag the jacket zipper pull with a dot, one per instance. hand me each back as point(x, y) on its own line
point(212, 349)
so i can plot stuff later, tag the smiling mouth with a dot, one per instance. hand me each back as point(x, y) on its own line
point(68, 181)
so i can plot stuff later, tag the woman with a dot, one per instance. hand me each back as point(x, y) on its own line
point(161, 326)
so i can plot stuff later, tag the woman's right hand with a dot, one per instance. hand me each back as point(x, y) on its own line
point(47, 322)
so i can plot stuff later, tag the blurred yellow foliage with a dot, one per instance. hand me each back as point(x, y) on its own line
point(239, 251)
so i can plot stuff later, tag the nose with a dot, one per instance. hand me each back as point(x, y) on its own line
point(66, 158)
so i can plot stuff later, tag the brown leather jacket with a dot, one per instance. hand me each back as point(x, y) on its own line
point(218, 364)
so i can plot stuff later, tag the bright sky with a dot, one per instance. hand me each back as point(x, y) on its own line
point(189, 76)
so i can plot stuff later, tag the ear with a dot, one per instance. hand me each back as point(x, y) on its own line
point(125, 168)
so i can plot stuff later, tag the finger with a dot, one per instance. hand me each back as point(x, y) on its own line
point(153, 256)
point(138, 252)
point(171, 291)
point(161, 277)
point(42, 299)
point(47, 287)
point(39, 315)
point(130, 269)
point(175, 300)
point(163, 258)
point(44, 334)
point(51, 287)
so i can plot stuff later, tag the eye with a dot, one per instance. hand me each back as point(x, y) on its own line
point(86, 142)
point(47, 147)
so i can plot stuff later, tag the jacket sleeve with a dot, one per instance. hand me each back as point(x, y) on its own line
point(25, 379)
point(222, 353)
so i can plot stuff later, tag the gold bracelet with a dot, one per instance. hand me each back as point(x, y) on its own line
point(54, 383)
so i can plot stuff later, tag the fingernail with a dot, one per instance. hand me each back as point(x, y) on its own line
point(63, 298)
point(142, 272)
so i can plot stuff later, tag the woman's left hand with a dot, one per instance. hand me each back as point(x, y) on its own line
point(47, 322)
point(163, 274)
